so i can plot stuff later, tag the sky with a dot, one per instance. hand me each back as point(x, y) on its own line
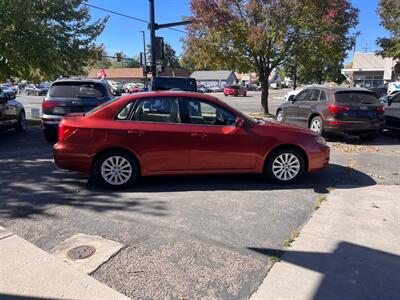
point(122, 34)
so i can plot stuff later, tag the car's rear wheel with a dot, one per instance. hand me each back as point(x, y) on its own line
point(226, 95)
point(285, 166)
point(50, 135)
point(116, 169)
point(317, 125)
point(21, 125)
point(279, 116)
point(244, 94)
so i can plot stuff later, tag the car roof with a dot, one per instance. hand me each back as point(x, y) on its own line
point(77, 80)
point(337, 88)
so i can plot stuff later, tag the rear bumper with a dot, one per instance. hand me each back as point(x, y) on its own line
point(51, 121)
point(69, 159)
point(354, 127)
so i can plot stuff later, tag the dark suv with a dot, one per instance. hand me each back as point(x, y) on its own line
point(71, 96)
point(335, 110)
point(12, 113)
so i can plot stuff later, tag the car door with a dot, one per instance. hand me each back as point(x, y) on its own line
point(292, 111)
point(8, 110)
point(155, 133)
point(216, 143)
point(392, 112)
point(308, 107)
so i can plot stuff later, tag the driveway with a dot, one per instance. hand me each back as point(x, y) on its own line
point(184, 237)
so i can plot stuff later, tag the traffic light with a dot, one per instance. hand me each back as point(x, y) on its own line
point(159, 48)
point(100, 54)
point(119, 56)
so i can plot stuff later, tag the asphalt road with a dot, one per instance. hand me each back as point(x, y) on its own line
point(249, 104)
point(194, 237)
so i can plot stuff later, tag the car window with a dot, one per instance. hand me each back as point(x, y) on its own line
point(159, 109)
point(124, 113)
point(396, 99)
point(302, 95)
point(196, 111)
point(323, 96)
point(77, 90)
point(313, 96)
point(356, 97)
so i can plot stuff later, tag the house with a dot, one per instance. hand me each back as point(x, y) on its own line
point(369, 70)
point(134, 74)
point(210, 78)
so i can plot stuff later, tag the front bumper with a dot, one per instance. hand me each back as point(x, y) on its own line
point(318, 158)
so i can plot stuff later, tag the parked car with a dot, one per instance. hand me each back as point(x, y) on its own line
point(117, 88)
point(14, 88)
point(173, 83)
point(325, 109)
point(381, 90)
point(216, 89)
point(162, 133)
point(392, 87)
point(71, 96)
point(291, 93)
point(8, 91)
point(36, 89)
point(235, 90)
point(202, 89)
point(253, 87)
point(392, 111)
point(12, 113)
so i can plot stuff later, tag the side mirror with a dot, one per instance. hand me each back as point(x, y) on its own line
point(239, 122)
point(389, 101)
point(291, 98)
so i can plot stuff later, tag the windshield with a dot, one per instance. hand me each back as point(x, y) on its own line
point(356, 97)
point(77, 90)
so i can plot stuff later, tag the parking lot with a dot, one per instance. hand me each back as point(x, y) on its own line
point(184, 237)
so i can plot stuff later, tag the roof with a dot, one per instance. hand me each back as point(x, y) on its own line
point(336, 88)
point(211, 75)
point(371, 62)
point(136, 73)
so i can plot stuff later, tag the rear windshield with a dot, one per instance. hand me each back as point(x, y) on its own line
point(77, 90)
point(356, 97)
point(160, 84)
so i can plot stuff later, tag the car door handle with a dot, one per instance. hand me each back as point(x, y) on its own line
point(202, 135)
point(135, 132)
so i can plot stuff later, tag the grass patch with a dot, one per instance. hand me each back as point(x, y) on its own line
point(295, 233)
point(319, 201)
point(274, 259)
point(260, 115)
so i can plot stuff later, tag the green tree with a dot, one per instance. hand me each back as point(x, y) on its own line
point(259, 35)
point(43, 39)
point(389, 11)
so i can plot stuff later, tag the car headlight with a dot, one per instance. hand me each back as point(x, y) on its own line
point(320, 140)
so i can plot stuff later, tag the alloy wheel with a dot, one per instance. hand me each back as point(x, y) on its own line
point(286, 166)
point(279, 116)
point(315, 126)
point(116, 170)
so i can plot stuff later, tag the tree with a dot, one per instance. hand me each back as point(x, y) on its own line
point(170, 58)
point(389, 11)
point(43, 39)
point(260, 35)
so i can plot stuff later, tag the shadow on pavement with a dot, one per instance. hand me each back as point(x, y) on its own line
point(350, 272)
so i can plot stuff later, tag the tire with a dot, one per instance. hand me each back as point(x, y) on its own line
point(279, 116)
point(368, 137)
point(27, 93)
point(226, 95)
point(21, 125)
point(126, 176)
point(317, 125)
point(275, 168)
point(244, 94)
point(50, 135)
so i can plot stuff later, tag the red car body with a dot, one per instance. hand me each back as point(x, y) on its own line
point(134, 90)
point(180, 148)
point(235, 90)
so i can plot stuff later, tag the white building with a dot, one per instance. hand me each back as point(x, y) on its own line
point(370, 70)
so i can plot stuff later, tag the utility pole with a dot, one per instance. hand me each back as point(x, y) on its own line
point(152, 27)
point(145, 58)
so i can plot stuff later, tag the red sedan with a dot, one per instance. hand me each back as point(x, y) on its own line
point(171, 132)
point(235, 90)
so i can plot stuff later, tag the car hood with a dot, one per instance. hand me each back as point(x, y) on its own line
point(285, 127)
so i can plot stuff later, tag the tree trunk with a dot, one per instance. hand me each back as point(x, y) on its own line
point(264, 94)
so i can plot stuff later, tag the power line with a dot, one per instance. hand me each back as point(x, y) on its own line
point(126, 16)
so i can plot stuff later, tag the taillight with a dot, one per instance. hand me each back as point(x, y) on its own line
point(64, 131)
point(337, 109)
point(48, 104)
point(380, 109)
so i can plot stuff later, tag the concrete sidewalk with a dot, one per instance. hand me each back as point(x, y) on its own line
point(349, 249)
point(27, 272)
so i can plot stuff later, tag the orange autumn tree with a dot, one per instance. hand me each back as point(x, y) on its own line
point(260, 35)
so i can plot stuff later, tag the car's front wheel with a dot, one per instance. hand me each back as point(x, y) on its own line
point(116, 169)
point(279, 116)
point(285, 166)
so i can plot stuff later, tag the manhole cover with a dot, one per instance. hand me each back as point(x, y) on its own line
point(81, 252)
